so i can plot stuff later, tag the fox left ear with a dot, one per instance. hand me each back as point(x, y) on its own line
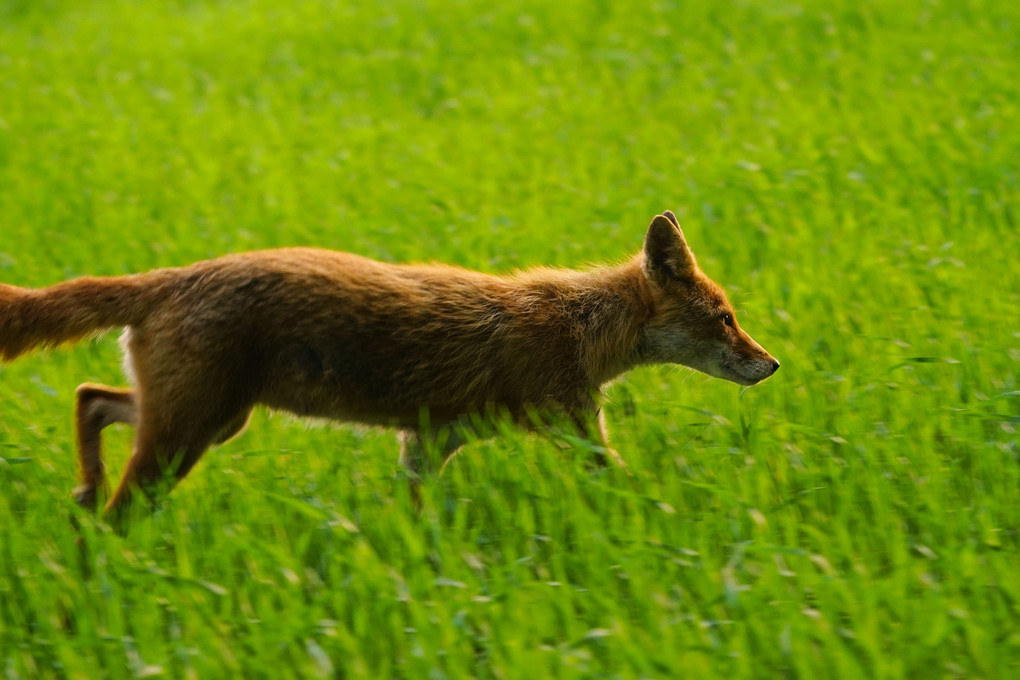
point(667, 256)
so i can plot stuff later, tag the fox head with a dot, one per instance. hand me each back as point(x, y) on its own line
point(693, 323)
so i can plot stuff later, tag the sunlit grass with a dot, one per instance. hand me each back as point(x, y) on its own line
point(848, 171)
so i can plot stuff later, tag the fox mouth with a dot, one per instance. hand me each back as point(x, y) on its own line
point(743, 378)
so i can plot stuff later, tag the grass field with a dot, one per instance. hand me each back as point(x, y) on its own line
point(849, 171)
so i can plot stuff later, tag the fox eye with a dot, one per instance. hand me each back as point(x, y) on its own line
point(728, 320)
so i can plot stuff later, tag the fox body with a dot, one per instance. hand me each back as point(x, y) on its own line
point(334, 335)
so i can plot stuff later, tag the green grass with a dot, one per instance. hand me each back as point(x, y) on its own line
point(848, 170)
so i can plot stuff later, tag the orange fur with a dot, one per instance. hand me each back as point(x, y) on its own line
point(334, 335)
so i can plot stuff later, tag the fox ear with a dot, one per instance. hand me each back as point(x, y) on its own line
point(667, 256)
point(672, 218)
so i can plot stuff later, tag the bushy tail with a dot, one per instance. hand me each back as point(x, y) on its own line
point(70, 311)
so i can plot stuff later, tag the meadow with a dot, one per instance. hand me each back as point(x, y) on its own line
point(848, 170)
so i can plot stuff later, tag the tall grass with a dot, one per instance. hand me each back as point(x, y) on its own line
point(848, 170)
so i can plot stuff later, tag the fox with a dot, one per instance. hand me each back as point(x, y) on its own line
point(333, 335)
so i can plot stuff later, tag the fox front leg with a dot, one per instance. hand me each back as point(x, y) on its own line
point(422, 454)
point(594, 429)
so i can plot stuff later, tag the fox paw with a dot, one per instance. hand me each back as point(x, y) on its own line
point(86, 496)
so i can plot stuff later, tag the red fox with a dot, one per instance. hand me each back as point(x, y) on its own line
point(333, 335)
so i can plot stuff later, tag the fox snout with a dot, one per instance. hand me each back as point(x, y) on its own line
point(750, 371)
point(722, 350)
point(744, 361)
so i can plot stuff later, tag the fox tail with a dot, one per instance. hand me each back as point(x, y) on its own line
point(70, 311)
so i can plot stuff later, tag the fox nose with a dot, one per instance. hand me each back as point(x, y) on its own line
point(775, 365)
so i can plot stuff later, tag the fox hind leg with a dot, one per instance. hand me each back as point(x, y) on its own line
point(167, 447)
point(98, 406)
point(183, 408)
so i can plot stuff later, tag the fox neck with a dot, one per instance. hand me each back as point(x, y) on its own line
point(611, 307)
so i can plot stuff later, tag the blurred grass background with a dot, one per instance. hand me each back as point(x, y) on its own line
point(847, 170)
